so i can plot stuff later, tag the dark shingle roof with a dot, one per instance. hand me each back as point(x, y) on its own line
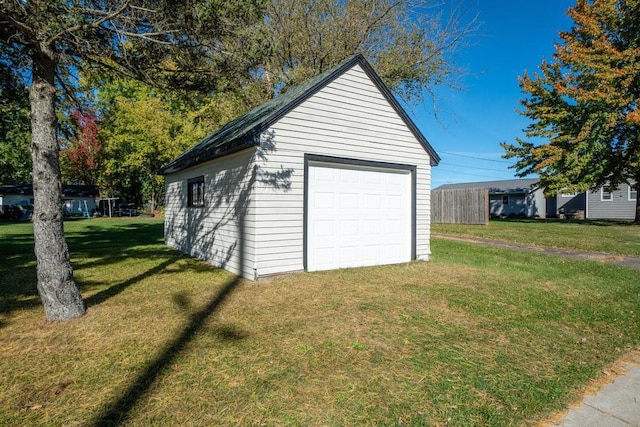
point(244, 131)
point(504, 186)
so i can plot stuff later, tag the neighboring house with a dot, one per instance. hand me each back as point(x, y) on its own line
point(514, 197)
point(76, 199)
point(565, 204)
point(331, 174)
point(16, 195)
point(79, 199)
point(603, 203)
point(607, 203)
point(523, 197)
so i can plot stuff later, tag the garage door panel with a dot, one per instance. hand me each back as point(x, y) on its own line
point(323, 257)
point(393, 202)
point(323, 200)
point(325, 174)
point(349, 227)
point(371, 254)
point(347, 255)
point(393, 227)
point(357, 216)
point(372, 227)
point(348, 176)
point(372, 201)
point(349, 201)
point(372, 178)
point(393, 180)
point(324, 228)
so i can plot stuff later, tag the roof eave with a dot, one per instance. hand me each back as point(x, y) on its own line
point(434, 159)
point(228, 148)
point(252, 135)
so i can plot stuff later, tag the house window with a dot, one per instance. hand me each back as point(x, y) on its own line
point(505, 200)
point(195, 192)
point(605, 193)
point(633, 193)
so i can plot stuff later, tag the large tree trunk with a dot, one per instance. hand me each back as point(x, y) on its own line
point(58, 291)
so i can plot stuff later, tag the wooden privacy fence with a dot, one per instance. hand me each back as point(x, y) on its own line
point(460, 206)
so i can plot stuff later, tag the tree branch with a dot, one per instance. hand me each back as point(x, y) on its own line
point(21, 27)
point(95, 24)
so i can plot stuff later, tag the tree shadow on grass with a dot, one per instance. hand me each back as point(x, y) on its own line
point(231, 197)
point(104, 243)
point(119, 411)
point(114, 290)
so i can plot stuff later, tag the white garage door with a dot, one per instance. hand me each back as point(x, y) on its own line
point(357, 216)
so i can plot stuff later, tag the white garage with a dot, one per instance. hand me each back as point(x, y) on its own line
point(331, 174)
point(358, 215)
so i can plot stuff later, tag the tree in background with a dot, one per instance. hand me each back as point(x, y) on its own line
point(54, 40)
point(584, 103)
point(80, 160)
point(142, 131)
point(15, 161)
point(410, 43)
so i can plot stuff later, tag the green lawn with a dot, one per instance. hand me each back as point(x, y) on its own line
point(478, 336)
point(614, 237)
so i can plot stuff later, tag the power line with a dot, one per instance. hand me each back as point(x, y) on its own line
point(474, 167)
point(469, 174)
point(476, 158)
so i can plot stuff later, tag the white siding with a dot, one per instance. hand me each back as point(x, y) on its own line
point(221, 232)
point(349, 118)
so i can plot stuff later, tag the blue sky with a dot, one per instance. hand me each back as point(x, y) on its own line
point(514, 36)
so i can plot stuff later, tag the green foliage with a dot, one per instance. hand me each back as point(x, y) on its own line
point(410, 44)
point(140, 133)
point(221, 58)
point(584, 103)
point(15, 160)
point(185, 44)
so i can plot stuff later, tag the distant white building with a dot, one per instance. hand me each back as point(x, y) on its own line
point(76, 199)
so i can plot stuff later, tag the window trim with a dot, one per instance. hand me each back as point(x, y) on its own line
point(568, 194)
point(632, 189)
point(602, 193)
point(198, 183)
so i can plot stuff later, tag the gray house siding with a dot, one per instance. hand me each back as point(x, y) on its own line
point(516, 204)
point(570, 205)
point(618, 206)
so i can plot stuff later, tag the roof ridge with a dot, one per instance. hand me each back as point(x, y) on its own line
point(245, 130)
